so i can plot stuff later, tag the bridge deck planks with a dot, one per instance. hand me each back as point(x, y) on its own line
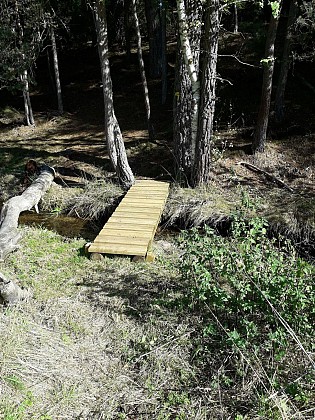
point(131, 228)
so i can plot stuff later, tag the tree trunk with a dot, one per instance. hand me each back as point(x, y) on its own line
point(142, 72)
point(235, 18)
point(182, 122)
point(29, 117)
point(9, 217)
point(56, 70)
point(192, 71)
point(154, 25)
point(127, 29)
point(259, 141)
point(164, 52)
point(186, 98)
point(201, 173)
point(10, 292)
point(285, 65)
point(115, 144)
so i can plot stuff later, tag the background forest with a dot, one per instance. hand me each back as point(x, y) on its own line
point(215, 97)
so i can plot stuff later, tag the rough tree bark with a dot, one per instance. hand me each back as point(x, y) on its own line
point(127, 29)
point(192, 71)
point(115, 143)
point(182, 122)
point(10, 292)
point(184, 101)
point(142, 71)
point(259, 141)
point(201, 173)
point(164, 53)
point(9, 217)
point(56, 69)
point(285, 65)
point(154, 27)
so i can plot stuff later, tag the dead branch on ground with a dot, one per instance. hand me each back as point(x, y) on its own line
point(268, 175)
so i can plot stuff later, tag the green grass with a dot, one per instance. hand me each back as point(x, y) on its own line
point(51, 263)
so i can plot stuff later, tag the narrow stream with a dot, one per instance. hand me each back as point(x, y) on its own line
point(71, 227)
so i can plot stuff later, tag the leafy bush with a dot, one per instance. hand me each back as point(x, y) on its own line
point(257, 291)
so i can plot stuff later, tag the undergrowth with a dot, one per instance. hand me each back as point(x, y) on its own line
point(255, 300)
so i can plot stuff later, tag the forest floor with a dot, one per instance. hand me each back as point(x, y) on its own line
point(96, 340)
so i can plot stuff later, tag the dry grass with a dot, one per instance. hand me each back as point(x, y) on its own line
point(93, 342)
point(186, 207)
point(98, 198)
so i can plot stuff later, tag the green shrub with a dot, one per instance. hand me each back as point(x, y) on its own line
point(248, 285)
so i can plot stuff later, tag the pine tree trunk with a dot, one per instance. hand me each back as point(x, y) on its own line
point(259, 141)
point(29, 117)
point(182, 122)
point(235, 19)
point(127, 28)
point(142, 72)
point(154, 25)
point(115, 144)
point(285, 65)
point(202, 167)
point(164, 52)
point(56, 70)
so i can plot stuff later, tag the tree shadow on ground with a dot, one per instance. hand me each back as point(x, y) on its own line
point(143, 292)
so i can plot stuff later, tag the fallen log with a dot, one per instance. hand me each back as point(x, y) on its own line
point(268, 175)
point(10, 292)
point(9, 217)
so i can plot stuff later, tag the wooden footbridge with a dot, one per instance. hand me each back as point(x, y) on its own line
point(131, 228)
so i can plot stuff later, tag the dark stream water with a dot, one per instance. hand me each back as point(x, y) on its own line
point(71, 227)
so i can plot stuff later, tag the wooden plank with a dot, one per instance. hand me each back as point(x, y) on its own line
point(156, 211)
point(148, 181)
point(128, 226)
point(124, 240)
point(147, 221)
point(143, 182)
point(136, 210)
point(151, 184)
point(143, 197)
point(118, 249)
point(130, 232)
point(125, 233)
point(147, 190)
point(152, 194)
point(146, 204)
point(142, 201)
